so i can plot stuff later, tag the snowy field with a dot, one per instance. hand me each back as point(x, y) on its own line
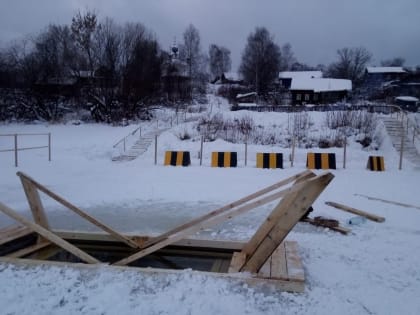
point(373, 270)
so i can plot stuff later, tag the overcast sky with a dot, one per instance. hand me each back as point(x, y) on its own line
point(314, 28)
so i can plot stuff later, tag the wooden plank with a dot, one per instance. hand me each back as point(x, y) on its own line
point(389, 201)
point(228, 207)
point(287, 219)
point(35, 203)
point(265, 270)
point(238, 279)
point(48, 235)
point(237, 261)
point(29, 250)
point(278, 263)
point(10, 234)
point(206, 224)
point(188, 242)
point(78, 211)
point(294, 265)
point(340, 229)
point(365, 214)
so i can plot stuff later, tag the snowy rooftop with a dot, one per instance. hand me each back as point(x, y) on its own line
point(300, 74)
point(321, 84)
point(407, 98)
point(246, 95)
point(234, 76)
point(385, 70)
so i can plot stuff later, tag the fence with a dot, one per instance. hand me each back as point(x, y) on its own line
point(16, 148)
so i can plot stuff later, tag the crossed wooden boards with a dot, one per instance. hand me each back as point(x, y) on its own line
point(301, 191)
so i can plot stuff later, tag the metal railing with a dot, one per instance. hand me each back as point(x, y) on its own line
point(124, 140)
point(16, 148)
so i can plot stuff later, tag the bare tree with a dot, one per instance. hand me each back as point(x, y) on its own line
point(395, 62)
point(260, 60)
point(83, 27)
point(351, 64)
point(287, 57)
point(220, 61)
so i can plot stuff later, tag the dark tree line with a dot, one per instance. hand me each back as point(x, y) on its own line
point(112, 71)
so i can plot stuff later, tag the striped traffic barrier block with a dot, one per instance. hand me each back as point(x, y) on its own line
point(177, 158)
point(224, 159)
point(376, 163)
point(269, 160)
point(321, 161)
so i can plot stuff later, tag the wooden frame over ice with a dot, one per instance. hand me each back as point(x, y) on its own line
point(265, 257)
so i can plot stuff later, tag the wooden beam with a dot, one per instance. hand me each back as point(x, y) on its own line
point(297, 177)
point(236, 279)
point(29, 250)
point(294, 265)
point(206, 224)
point(278, 263)
point(48, 235)
point(35, 203)
point(365, 214)
point(286, 219)
point(67, 204)
point(340, 229)
point(389, 201)
point(12, 233)
point(238, 259)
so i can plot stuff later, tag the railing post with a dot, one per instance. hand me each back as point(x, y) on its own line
point(246, 152)
point(49, 146)
point(156, 137)
point(16, 150)
point(293, 151)
point(401, 148)
point(345, 152)
point(124, 144)
point(201, 150)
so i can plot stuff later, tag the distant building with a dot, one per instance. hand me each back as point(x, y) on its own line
point(378, 79)
point(229, 78)
point(319, 90)
point(176, 82)
point(286, 77)
point(409, 103)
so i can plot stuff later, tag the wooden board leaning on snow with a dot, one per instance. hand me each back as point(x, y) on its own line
point(365, 214)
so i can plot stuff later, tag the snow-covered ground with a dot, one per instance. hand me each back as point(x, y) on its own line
point(374, 270)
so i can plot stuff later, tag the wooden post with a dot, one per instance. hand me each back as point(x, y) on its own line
point(282, 219)
point(124, 144)
point(139, 133)
point(156, 137)
point(401, 149)
point(201, 150)
point(365, 214)
point(246, 152)
point(16, 150)
point(345, 152)
point(293, 151)
point(49, 146)
point(35, 203)
point(35, 185)
point(48, 235)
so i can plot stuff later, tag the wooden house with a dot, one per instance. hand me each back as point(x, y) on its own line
point(319, 90)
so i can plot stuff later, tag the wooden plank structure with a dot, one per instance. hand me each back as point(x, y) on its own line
point(267, 256)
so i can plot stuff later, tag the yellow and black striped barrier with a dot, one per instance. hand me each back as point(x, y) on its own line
point(321, 161)
point(177, 158)
point(224, 159)
point(269, 160)
point(376, 163)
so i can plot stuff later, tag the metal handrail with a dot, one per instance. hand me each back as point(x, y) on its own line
point(125, 138)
